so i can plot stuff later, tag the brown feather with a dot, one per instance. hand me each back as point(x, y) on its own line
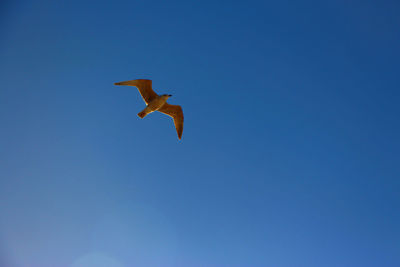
point(145, 88)
point(176, 113)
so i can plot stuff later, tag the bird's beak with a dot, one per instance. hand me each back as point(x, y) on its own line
point(169, 95)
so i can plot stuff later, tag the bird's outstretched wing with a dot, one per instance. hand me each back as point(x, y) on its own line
point(144, 87)
point(177, 114)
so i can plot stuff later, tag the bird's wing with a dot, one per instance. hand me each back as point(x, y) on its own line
point(177, 114)
point(144, 87)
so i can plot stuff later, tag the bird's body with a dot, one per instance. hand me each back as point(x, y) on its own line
point(154, 105)
point(157, 103)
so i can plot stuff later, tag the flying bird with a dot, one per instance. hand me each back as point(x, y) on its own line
point(156, 102)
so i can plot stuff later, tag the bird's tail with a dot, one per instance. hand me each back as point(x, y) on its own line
point(142, 114)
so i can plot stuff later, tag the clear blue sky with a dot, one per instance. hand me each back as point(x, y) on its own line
point(290, 155)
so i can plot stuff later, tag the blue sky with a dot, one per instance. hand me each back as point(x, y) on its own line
point(290, 149)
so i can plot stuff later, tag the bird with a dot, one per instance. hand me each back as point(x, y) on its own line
point(156, 102)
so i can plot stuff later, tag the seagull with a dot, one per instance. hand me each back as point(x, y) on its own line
point(156, 102)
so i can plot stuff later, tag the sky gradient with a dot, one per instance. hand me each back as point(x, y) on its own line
point(290, 154)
